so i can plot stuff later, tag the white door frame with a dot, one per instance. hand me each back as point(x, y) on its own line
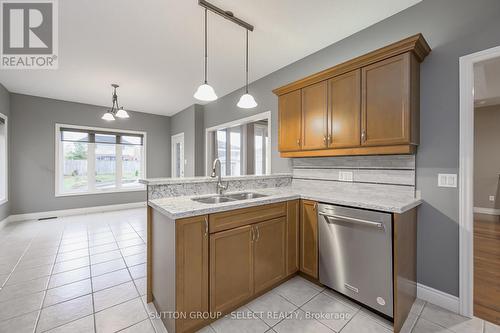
point(176, 139)
point(466, 181)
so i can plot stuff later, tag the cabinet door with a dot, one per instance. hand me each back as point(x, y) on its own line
point(344, 114)
point(309, 238)
point(386, 102)
point(290, 121)
point(314, 116)
point(191, 269)
point(269, 253)
point(292, 236)
point(231, 268)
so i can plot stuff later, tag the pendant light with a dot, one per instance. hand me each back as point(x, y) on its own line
point(246, 101)
point(205, 92)
point(116, 110)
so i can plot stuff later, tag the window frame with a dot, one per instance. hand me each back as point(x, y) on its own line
point(58, 162)
point(6, 199)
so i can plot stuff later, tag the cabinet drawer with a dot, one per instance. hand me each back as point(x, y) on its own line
point(240, 217)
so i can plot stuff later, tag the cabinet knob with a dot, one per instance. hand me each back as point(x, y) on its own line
point(298, 142)
point(325, 140)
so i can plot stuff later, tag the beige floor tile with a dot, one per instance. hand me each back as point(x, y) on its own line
point(23, 288)
point(417, 307)
point(22, 324)
point(424, 326)
point(67, 292)
point(298, 291)
point(112, 296)
point(138, 271)
point(272, 308)
point(106, 256)
point(107, 267)
point(128, 251)
point(135, 259)
point(141, 285)
point(110, 279)
point(21, 305)
point(329, 311)
point(23, 275)
point(83, 325)
point(142, 327)
point(298, 322)
point(409, 323)
point(363, 324)
point(241, 320)
point(103, 248)
point(70, 265)
point(120, 316)
point(450, 320)
point(491, 328)
point(69, 277)
point(36, 262)
point(130, 242)
point(63, 313)
point(66, 256)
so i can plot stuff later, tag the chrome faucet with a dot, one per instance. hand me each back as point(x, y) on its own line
point(220, 187)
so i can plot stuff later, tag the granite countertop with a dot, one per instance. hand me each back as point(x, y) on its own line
point(182, 206)
point(192, 180)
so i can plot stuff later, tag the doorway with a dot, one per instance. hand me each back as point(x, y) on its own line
point(480, 185)
point(178, 155)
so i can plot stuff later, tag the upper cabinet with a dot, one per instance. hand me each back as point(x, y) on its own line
point(366, 106)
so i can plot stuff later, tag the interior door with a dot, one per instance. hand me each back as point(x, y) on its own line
point(178, 155)
point(314, 116)
point(344, 110)
point(309, 238)
point(290, 121)
point(385, 107)
point(269, 253)
point(231, 268)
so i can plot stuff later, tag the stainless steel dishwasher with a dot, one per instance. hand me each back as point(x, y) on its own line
point(355, 255)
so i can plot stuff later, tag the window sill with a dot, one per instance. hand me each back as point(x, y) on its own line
point(75, 194)
point(4, 201)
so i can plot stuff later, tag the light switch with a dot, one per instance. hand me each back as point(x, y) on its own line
point(345, 176)
point(447, 180)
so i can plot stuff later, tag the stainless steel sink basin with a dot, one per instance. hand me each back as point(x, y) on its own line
point(212, 200)
point(228, 197)
point(245, 196)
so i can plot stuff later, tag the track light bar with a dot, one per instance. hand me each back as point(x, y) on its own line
point(225, 14)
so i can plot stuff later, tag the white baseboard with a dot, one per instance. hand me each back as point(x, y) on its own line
point(439, 298)
point(488, 211)
point(69, 212)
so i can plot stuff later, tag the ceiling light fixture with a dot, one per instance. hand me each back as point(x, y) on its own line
point(205, 92)
point(246, 101)
point(116, 110)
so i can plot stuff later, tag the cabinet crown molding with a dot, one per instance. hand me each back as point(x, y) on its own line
point(415, 44)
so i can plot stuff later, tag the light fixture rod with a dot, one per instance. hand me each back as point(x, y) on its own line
point(246, 61)
point(225, 14)
point(206, 52)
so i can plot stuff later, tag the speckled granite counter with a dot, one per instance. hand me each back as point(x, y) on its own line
point(333, 193)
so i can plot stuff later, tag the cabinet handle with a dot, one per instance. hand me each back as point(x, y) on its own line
point(363, 136)
point(258, 234)
point(315, 207)
point(253, 234)
point(329, 139)
point(298, 142)
point(206, 226)
point(325, 140)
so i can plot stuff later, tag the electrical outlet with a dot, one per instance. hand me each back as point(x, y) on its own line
point(447, 180)
point(345, 176)
point(492, 198)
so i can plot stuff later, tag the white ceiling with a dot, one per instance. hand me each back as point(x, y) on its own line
point(154, 48)
point(487, 83)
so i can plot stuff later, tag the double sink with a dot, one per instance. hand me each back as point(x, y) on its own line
point(228, 197)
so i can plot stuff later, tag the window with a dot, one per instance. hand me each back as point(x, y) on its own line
point(91, 160)
point(221, 149)
point(229, 151)
point(260, 149)
point(3, 160)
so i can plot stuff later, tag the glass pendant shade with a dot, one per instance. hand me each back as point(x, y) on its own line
point(121, 113)
point(205, 93)
point(108, 116)
point(247, 102)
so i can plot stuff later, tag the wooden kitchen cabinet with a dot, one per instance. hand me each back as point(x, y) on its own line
point(231, 268)
point(314, 116)
point(365, 106)
point(344, 110)
point(386, 102)
point(269, 253)
point(292, 237)
point(290, 121)
point(309, 238)
point(191, 270)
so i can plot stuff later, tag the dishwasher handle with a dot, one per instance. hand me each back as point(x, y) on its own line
point(352, 220)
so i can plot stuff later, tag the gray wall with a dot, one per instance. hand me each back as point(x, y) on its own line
point(33, 122)
point(190, 122)
point(486, 156)
point(453, 28)
point(5, 109)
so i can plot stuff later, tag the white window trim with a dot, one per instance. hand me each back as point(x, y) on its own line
point(183, 158)
point(250, 119)
point(3, 201)
point(58, 162)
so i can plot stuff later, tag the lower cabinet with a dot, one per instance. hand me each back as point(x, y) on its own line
point(309, 238)
point(231, 268)
point(292, 237)
point(191, 293)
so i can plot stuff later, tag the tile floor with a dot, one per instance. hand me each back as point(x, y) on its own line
point(87, 274)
